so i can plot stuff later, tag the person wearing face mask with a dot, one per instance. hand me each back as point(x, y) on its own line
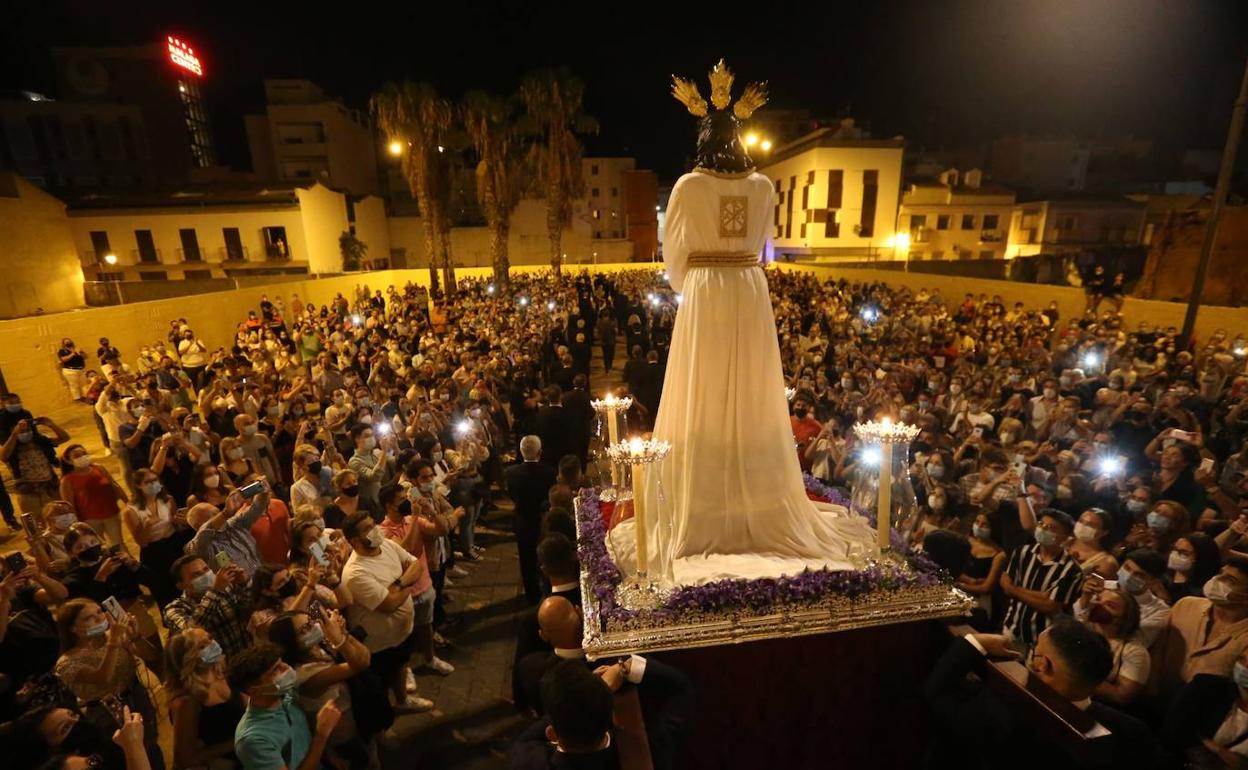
point(218, 602)
point(28, 635)
point(1115, 615)
point(372, 461)
point(203, 710)
point(31, 457)
point(305, 493)
point(982, 575)
point(91, 492)
point(159, 529)
point(1044, 405)
point(977, 728)
point(257, 447)
point(235, 466)
point(1206, 635)
point(275, 589)
point(1140, 575)
point(1041, 579)
point(1194, 559)
point(48, 548)
point(273, 732)
point(99, 661)
point(326, 659)
point(380, 575)
point(805, 426)
point(1088, 546)
point(1206, 725)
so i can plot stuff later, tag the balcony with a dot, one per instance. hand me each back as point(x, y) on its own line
point(234, 254)
point(990, 236)
point(145, 257)
point(920, 234)
point(190, 255)
point(274, 253)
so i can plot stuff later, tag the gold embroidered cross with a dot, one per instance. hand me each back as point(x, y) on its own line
point(733, 216)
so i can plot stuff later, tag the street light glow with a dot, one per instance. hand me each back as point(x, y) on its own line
point(110, 259)
point(766, 145)
point(901, 241)
point(751, 139)
point(396, 147)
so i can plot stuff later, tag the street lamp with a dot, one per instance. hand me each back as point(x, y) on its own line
point(751, 139)
point(110, 259)
point(766, 145)
point(396, 147)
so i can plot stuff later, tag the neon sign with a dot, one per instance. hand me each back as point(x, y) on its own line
point(182, 55)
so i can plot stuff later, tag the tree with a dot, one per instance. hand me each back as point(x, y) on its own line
point(417, 119)
point(353, 251)
point(553, 100)
point(492, 124)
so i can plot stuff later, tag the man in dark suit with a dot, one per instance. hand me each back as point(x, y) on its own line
point(666, 694)
point(566, 371)
point(605, 331)
point(554, 427)
point(580, 417)
point(581, 709)
point(650, 387)
point(529, 484)
point(979, 729)
point(556, 557)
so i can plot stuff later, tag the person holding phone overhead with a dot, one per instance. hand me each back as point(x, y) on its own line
point(97, 663)
point(228, 530)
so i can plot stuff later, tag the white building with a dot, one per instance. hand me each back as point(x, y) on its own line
point(836, 196)
point(218, 233)
point(304, 136)
point(957, 216)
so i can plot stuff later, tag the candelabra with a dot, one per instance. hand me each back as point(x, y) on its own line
point(641, 590)
point(613, 411)
point(895, 503)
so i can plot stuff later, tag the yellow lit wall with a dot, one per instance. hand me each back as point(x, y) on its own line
point(37, 255)
point(324, 214)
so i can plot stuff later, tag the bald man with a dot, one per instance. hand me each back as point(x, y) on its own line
point(228, 531)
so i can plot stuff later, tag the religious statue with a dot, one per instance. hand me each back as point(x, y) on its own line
point(733, 501)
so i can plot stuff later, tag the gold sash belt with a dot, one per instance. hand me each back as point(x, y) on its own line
point(723, 259)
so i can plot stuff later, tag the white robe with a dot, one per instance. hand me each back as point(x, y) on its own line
point(734, 504)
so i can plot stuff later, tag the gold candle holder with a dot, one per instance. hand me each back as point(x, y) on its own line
point(639, 591)
point(885, 432)
point(611, 409)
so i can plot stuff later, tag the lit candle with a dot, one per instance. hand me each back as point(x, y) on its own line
point(637, 448)
point(613, 435)
point(885, 502)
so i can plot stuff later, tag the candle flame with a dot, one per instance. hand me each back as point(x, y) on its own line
point(636, 446)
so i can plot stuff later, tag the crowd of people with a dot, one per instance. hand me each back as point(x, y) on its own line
point(279, 551)
point(277, 554)
point(1078, 470)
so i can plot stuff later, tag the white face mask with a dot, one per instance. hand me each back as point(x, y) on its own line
point(1084, 533)
point(212, 482)
point(83, 461)
point(1180, 563)
point(375, 537)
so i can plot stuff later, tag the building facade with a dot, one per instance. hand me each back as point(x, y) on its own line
point(604, 205)
point(957, 216)
point(641, 214)
point(217, 233)
point(1074, 226)
point(41, 269)
point(836, 198)
point(304, 136)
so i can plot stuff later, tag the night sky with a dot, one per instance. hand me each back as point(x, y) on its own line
point(943, 73)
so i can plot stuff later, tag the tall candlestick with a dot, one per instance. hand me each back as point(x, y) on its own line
point(885, 503)
point(639, 518)
point(613, 434)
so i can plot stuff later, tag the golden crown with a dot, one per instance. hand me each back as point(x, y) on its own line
point(686, 92)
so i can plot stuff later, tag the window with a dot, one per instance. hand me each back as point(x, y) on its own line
point(275, 244)
point(985, 255)
point(788, 222)
point(990, 221)
point(836, 184)
point(593, 193)
point(190, 245)
point(615, 192)
point(593, 169)
point(1067, 222)
point(233, 244)
point(942, 221)
point(99, 244)
point(917, 221)
point(870, 194)
point(147, 247)
point(597, 214)
point(968, 221)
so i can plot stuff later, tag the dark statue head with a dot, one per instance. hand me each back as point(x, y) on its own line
point(719, 144)
point(719, 140)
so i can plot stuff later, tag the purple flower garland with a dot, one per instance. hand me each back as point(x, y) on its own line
point(739, 595)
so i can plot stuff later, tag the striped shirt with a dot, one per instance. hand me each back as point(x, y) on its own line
point(1060, 578)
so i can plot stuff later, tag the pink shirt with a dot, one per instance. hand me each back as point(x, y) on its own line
point(397, 530)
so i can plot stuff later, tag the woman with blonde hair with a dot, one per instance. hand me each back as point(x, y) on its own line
point(203, 710)
point(235, 467)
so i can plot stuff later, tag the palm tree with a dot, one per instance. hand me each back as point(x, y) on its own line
point(415, 117)
point(553, 99)
point(492, 124)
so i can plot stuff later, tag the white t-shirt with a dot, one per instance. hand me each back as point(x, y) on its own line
point(369, 578)
point(1131, 660)
point(192, 353)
